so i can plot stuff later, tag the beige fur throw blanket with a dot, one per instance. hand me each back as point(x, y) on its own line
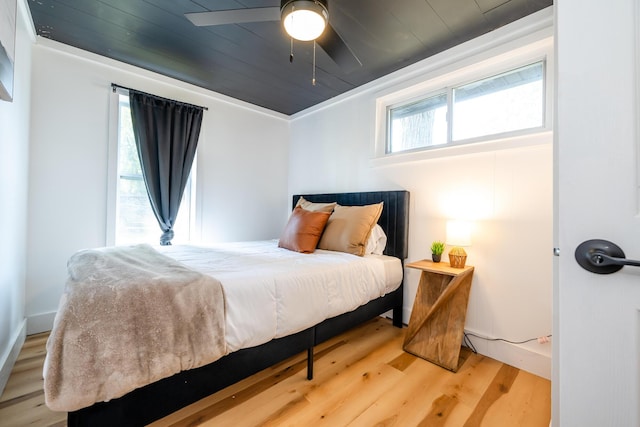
point(129, 316)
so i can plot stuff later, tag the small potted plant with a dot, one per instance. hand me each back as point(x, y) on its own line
point(437, 248)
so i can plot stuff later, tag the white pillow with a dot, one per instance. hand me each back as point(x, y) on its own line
point(377, 241)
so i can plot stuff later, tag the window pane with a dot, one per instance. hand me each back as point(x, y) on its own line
point(128, 163)
point(135, 221)
point(503, 103)
point(418, 125)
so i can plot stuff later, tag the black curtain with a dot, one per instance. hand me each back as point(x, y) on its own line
point(166, 134)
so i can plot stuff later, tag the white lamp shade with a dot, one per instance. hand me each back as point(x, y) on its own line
point(304, 24)
point(458, 233)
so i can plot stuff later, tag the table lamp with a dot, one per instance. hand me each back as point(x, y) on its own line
point(458, 235)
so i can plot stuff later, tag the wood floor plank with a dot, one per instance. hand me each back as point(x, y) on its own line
point(231, 397)
point(328, 362)
point(515, 407)
point(408, 403)
point(469, 386)
point(24, 380)
point(30, 412)
point(339, 401)
point(220, 407)
point(362, 378)
point(441, 408)
point(424, 384)
point(337, 385)
point(34, 345)
point(500, 385)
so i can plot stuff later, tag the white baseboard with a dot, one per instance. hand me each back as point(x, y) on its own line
point(10, 354)
point(406, 315)
point(42, 322)
point(511, 354)
point(515, 355)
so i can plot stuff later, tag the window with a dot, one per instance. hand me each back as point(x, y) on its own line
point(135, 221)
point(513, 101)
point(417, 125)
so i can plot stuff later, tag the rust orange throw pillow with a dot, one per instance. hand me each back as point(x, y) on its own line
point(303, 231)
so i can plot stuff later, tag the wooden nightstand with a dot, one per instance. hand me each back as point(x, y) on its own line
point(437, 320)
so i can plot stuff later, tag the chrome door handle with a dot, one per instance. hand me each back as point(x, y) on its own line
point(602, 257)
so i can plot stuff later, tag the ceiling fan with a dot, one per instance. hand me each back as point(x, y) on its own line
point(303, 20)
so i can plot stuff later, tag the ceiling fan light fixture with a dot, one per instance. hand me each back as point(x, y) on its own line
point(304, 19)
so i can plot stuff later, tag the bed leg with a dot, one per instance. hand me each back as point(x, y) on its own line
point(310, 363)
point(397, 317)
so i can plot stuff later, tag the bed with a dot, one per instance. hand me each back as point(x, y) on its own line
point(247, 356)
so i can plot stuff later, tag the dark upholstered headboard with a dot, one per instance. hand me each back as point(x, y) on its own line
point(394, 219)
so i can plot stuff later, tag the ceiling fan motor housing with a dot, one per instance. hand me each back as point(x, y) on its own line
point(304, 3)
point(315, 8)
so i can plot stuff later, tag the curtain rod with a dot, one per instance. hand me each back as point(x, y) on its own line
point(115, 86)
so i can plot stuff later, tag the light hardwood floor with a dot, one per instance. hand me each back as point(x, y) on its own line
point(362, 378)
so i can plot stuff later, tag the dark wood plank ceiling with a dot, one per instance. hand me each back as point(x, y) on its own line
point(250, 62)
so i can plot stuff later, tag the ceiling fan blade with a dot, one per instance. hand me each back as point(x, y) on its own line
point(331, 42)
point(234, 16)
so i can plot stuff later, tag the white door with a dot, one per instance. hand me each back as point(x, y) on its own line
point(596, 373)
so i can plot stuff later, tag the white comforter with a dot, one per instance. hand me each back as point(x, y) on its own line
point(272, 292)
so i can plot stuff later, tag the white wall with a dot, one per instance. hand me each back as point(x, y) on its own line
point(506, 187)
point(14, 146)
point(242, 165)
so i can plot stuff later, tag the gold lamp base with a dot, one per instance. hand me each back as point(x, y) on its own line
point(457, 257)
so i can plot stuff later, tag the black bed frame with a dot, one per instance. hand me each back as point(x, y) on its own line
point(159, 399)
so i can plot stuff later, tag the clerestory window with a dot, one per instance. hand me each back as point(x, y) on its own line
point(499, 105)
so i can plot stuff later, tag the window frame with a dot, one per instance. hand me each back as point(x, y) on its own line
point(450, 117)
point(445, 78)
